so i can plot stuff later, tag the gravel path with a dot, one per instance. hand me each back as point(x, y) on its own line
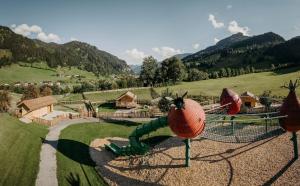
point(47, 167)
point(265, 162)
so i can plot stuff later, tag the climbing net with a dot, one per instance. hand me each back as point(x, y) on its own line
point(241, 128)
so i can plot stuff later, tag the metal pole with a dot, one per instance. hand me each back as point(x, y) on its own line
point(187, 152)
point(232, 124)
point(267, 124)
point(294, 139)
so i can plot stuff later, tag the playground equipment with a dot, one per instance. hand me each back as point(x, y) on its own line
point(291, 108)
point(88, 105)
point(188, 120)
point(229, 96)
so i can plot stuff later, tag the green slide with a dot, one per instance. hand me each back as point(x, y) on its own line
point(136, 147)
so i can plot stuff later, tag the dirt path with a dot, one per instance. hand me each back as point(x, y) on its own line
point(47, 167)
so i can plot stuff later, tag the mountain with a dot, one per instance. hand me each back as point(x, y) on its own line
point(136, 69)
point(14, 48)
point(286, 52)
point(181, 56)
point(237, 51)
point(224, 43)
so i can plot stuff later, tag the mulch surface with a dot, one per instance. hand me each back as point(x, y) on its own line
point(264, 162)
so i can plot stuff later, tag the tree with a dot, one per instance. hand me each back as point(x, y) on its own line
point(46, 91)
point(265, 99)
point(5, 101)
point(173, 70)
point(148, 69)
point(196, 75)
point(273, 67)
point(215, 75)
point(153, 93)
point(229, 72)
point(223, 72)
point(166, 101)
point(31, 92)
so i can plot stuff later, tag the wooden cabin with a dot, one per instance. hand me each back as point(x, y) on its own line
point(126, 100)
point(34, 108)
point(249, 100)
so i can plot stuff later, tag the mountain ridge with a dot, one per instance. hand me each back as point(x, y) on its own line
point(237, 51)
point(74, 53)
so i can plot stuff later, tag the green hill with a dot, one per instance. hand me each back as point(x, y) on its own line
point(256, 83)
point(14, 48)
point(237, 51)
point(41, 72)
point(20, 146)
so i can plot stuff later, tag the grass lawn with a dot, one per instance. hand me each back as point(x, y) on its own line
point(15, 73)
point(73, 159)
point(255, 83)
point(107, 107)
point(20, 146)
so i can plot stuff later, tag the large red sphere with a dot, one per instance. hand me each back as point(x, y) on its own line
point(291, 108)
point(187, 122)
point(229, 96)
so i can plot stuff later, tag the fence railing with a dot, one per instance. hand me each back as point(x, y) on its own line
point(55, 120)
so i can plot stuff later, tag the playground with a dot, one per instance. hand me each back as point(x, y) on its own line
point(212, 147)
point(212, 163)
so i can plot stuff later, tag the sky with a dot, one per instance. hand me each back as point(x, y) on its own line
point(134, 29)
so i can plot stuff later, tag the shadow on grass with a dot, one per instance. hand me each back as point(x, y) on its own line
point(108, 105)
point(73, 179)
point(122, 122)
point(76, 151)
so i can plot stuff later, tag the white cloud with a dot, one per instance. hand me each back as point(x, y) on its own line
point(216, 40)
point(166, 52)
point(135, 54)
point(73, 39)
point(214, 22)
point(229, 6)
point(48, 38)
point(234, 28)
point(27, 30)
point(196, 45)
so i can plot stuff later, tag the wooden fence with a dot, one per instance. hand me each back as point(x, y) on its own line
point(55, 120)
point(107, 115)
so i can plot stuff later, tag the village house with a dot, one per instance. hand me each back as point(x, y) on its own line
point(126, 100)
point(249, 100)
point(35, 108)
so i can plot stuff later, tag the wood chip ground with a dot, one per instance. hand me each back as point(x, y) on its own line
point(269, 161)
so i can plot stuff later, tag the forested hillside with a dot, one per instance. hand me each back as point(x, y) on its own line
point(14, 48)
point(262, 52)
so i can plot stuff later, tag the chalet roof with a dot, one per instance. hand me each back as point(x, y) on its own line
point(248, 94)
point(128, 93)
point(34, 104)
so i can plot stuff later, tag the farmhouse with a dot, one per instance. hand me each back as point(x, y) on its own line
point(35, 108)
point(249, 100)
point(126, 100)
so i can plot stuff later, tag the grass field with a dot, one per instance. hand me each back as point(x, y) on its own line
point(15, 73)
point(20, 146)
point(73, 160)
point(255, 83)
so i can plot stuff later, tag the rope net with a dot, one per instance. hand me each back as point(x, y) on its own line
point(240, 128)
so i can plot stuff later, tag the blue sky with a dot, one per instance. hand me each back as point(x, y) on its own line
point(133, 29)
